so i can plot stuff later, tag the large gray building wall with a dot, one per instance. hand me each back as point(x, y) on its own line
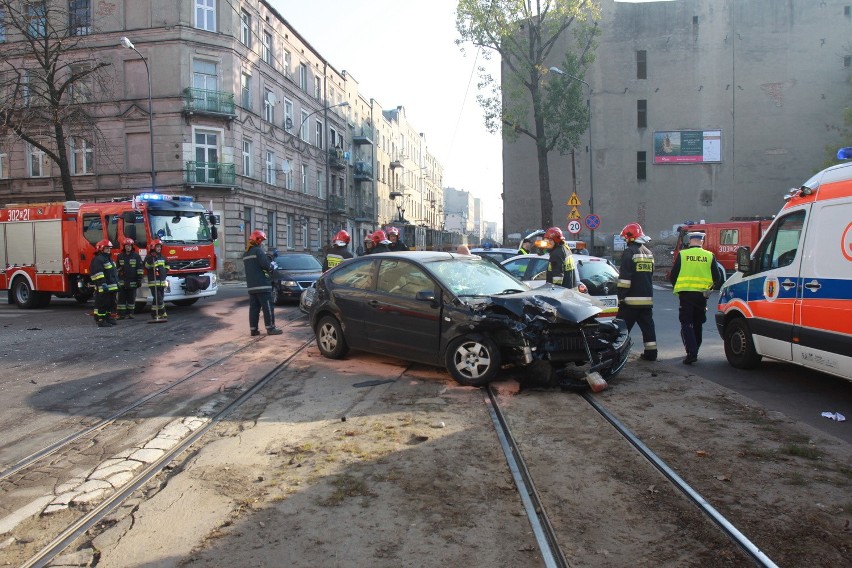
point(769, 74)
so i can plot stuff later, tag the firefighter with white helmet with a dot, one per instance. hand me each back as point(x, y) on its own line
point(560, 269)
point(636, 287)
point(338, 252)
point(396, 243)
point(259, 269)
point(130, 274)
point(104, 277)
point(156, 269)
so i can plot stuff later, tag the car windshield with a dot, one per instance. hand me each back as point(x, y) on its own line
point(597, 270)
point(297, 262)
point(183, 227)
point(475, 277)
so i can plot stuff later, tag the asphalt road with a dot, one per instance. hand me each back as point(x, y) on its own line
point(783, 387)
point(799, 393)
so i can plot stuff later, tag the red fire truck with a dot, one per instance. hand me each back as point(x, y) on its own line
point(724, 238)
point(46, 249)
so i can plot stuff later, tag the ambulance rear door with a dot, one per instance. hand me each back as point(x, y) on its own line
point(823, 332)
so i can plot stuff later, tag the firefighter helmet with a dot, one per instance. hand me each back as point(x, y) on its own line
point(257, 236)
point(554, 234)
point(379, 236)
point(102, 245)
point(153, 244)
point(342, 237)
point(128, 241)
point(393, 232)
point(634, 232)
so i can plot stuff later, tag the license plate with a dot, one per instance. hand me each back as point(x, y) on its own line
point(609, 303)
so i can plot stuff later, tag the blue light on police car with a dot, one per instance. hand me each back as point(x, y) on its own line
point(845, 153)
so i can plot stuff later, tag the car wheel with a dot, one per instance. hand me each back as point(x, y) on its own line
point(23, 294)
point(276, 295)
point(739, 345)
point(330, 338)
point(472, 360)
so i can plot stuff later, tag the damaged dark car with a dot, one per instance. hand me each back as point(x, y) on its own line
point(462, 313)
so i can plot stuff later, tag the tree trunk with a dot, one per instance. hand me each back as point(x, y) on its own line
point(62, 162)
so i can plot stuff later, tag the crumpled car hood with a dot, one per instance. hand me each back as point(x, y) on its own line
point(553, 303)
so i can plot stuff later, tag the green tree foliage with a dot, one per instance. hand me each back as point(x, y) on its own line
point(48, 80)
point(533, 101)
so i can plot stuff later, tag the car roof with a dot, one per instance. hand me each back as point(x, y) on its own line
point(579, 257)
point(493, 249)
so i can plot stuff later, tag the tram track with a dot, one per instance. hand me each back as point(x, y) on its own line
point(547, 534)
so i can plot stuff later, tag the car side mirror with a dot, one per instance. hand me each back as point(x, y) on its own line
point(425, 296)
point(744, 260)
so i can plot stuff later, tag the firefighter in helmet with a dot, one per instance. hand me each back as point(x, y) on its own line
point(395, 243)
point(561, 268)
point(130, 274)
point(380, 242)
point(636, 287)
point(104, 277)
point(259, 283)
point(368, 244)
point(338, 252)
point(157, 268)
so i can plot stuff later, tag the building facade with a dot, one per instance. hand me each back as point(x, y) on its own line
point(752, 92)
point(248, 118)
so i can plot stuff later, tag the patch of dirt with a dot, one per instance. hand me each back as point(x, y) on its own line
point(409, 472)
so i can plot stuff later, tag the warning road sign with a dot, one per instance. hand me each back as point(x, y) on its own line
point(574, 201)
point(574, 214)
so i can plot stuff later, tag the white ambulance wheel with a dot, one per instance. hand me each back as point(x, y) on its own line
point(739, 345)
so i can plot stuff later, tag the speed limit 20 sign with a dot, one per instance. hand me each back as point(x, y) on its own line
point(574, 227)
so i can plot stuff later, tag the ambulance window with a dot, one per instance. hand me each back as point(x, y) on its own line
point(780, 248)
point(93, 228)
point(112, 228)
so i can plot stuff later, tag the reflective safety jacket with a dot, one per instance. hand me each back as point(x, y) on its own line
point(156, 269)
point(636, 276)
point(335, 256)
point(560, 269)
point(694, 270)
point(130, 269)
point(103, 273)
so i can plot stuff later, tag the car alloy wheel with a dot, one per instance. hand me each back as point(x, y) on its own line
point(473, 360)
point(330, 338)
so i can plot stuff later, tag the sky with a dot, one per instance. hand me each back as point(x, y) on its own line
point(402, 53)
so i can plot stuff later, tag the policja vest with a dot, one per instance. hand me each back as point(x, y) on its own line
point(696, 271)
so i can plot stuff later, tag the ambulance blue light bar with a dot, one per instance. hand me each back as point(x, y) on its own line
point(162, 197)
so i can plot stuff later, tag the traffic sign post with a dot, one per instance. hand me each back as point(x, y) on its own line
point(574, 227)
point(593, 221)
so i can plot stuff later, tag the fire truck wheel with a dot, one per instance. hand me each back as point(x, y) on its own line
point(187, 302)
point(24, 295)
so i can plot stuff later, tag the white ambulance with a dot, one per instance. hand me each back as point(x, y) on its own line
point(791, 299)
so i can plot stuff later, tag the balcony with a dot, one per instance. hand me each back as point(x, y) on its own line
point(213, 174)
point(363, 135)
point(208, 103)
point(336, 158)
point(363, 171)
point(337, 203)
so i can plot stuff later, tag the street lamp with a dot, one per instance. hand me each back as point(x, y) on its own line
point(129, 45)
point(401, 210)
point(591, 184)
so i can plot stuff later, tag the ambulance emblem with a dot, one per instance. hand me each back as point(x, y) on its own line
point(771, 288)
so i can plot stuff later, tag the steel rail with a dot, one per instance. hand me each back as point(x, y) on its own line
point(543, 530)
point(729, 529)
point(79, 527)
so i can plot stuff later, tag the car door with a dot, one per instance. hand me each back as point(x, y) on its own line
point(398, 324)
point(352, 287)
point(823, 314)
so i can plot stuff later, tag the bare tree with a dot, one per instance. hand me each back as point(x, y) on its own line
point(524, 33)
point(48, 77)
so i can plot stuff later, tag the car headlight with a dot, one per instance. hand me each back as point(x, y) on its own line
point(289, 283)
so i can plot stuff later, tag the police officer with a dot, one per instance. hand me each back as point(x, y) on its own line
point(104, 276)
point(526, 247)
point(338, 252)
point(380, 242)
point(259, 284)
point(156, 269)
point(636, 288)
point(694, 274)
point(130, 273)
point(560, 269)
point(395, 243)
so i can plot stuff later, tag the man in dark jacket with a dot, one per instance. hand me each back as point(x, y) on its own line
point(105, 279)
point(395, 243)
point(130, 274)
point(636, 288)
point(561, 268)
point(157, 269)
point(380, 242)
point(694, 274)
point(258, 269)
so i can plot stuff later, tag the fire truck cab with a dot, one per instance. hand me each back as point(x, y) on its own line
point(46, 249)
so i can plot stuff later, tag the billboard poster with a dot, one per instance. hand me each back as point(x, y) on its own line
point(687, 146)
